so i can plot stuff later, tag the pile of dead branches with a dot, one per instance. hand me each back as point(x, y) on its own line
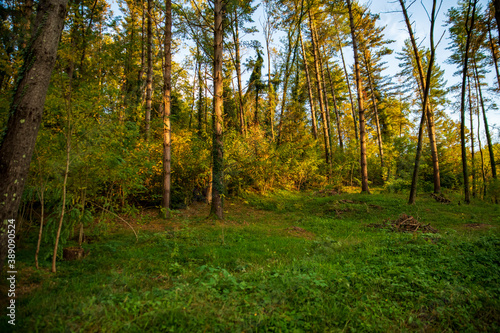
point(404, 223)
point(440, 198)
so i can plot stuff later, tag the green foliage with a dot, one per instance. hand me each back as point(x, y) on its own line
point(337, 274)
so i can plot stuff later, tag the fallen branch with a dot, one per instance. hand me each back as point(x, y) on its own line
point(136, 238)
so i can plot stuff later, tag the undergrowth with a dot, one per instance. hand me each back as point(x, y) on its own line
point(254, 272)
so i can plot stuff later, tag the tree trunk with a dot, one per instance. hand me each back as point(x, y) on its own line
point(325, 94)
point(18, 143)
point(426, 111)
point(167, 87)
point(351, 99)
point(496, 4)
point(363, 162)
point(285, 84)
point(42, 221)
point(335, 108)
point(149, 75)
point(486, 128)
point(493, 49)
point(319, 88)
point(471, 122)
point(66, 171)
point(218, 145)
point(309, 89)
point(462, 100)
point(375, 110)
point(236, 40)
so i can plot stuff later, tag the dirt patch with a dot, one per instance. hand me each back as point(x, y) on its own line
point(404, 223)
point(299, 232)
point(478, 226)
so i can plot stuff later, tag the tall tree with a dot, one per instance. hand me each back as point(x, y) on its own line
point(361, 110)
point(218, 145)
point(425, 85)
point(469, 27)
point(149, 74)
point(312, 103)
point(320, 90)
point(18, 142)
point(167, 88)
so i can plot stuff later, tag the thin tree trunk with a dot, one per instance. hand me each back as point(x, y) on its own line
point(42, 221)
point(236, 40)
point(493, 49)
point(25, 116)
point(309, 89)
point(319, 88)
point(149, 75)
point(496, 4)
point(473, 161)
point(337, 115)
point(267, 35)
point(351, 99)
point(200, 98)
point(486, 128)
point(375, 110)
point(167, 87)
point(66, 171)
point(325, 93)
point(483, 174)
point(363, 162)
point(426, 111)
point(218, 145)
point(285, 84)
point(462, 100)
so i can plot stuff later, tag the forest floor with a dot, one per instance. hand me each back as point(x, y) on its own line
point(316, 261)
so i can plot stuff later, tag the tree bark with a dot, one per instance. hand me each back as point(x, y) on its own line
point(319, 87)
point(362, 142)
point(496, 4)
point(218, 145)
point(149, 75)
point(351, 99)
point(335, 108)
point(18, 142)
point(462, 100)
point(426, 111)
point(375, 109)
point(309, 89)
point(493, 49)
point(473, 153)
point(167, 87)
point(236, 40)
point(486, 128)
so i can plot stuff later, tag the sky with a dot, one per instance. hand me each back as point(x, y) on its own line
point(395, 29)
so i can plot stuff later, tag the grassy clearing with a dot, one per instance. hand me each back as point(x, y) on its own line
point(286, 262)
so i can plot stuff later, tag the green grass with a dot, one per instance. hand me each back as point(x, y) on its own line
point(253, 273)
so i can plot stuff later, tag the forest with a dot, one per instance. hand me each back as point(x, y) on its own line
point(249, 165)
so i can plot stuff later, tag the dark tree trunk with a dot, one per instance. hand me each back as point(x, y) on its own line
point(167, 87)
point(309, 90)
point(496, 4)
point(218, 145)
point(149, 75)
point(426, 110)
point(351, 99)
point(468, 29)
point(236, 40)
point(362, 130)
point(486, 128)
point(319, 88)
point(18, 143)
